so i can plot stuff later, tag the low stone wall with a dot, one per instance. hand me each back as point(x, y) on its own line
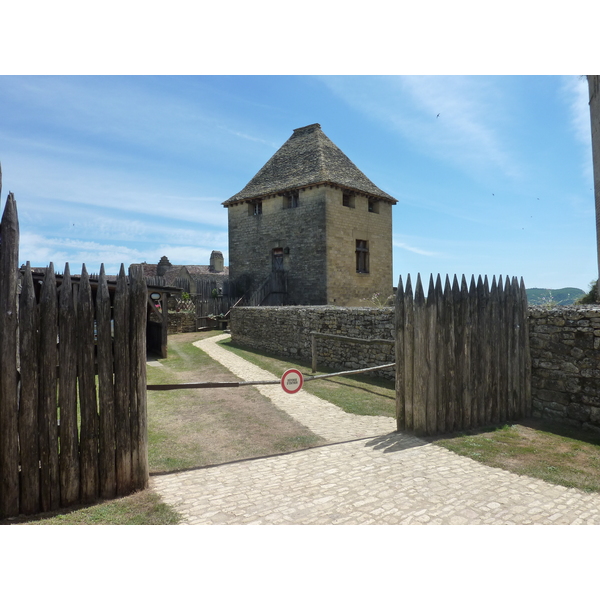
point(564, 341)
point(181, 322)
point(285, 331)
point(565, 364)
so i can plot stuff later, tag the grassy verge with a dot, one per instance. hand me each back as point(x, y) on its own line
point(356, 394)
point(141, 508)
point(553, 453)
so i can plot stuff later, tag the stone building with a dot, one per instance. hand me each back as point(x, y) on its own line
point(190, 278)
point(312, 225)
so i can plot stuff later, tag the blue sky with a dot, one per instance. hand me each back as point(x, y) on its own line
point(122, 169)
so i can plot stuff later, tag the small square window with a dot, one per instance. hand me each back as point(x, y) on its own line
point(290, 200)
point(348, 200)
point(255, 208)
point(374, 206)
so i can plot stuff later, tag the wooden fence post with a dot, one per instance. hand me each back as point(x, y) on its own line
point(449, 340)
point(9, 453)
point(48, 425)
point(409, 355)
point(421, 364)
point(67, 394)
point(122, 385)
point(441, 359)
point(399, 351)
point(431, 358)
point(139, 420)
point(106, 399)
point(87, 391)
point(29, 324)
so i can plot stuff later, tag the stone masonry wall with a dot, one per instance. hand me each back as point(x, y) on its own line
point(285, 331)
point(564, 342)
point(565, 365)
point(182, 322)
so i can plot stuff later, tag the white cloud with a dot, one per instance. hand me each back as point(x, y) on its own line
point(576, 93)
point(415, 250)
point(468, 131)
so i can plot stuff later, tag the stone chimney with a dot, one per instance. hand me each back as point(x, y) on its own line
point(216, 262)
point(163, 265)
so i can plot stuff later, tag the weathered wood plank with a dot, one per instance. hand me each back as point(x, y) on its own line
point(106, 399)
point(139, 421)
point(87, 391)
point(517, 351)
point(409, 355)
point(9, 416)
point(399, 353)
point(448, 387)
point(122, 385)
point(48, 419)
point(485, 357)
point(441, 359)
point(502, 354)
point(510, 329)
point(431, 358)
point(67, 393)
point(29, 340)
point(466, 323)
point(421, 364)
point(495, 329)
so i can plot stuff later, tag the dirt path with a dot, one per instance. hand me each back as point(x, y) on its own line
point(193, 428)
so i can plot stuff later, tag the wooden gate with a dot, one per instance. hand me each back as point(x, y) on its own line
point(462, 355)
point(65, 436)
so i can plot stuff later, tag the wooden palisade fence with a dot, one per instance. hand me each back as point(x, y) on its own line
point(65, 439)
point(462, 355)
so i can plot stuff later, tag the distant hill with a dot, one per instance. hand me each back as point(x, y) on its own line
point(538, 296)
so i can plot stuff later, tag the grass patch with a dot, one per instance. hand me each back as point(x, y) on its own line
point(141, 508)
point(553, 453)
point(195, 428)
point(356, 394)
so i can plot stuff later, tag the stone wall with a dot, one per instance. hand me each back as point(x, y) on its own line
point(181, 322)
point(286, 330)
point(565, 364)
point(564, 341)
point(298, 231)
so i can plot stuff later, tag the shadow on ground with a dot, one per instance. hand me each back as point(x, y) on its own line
point(395, 442)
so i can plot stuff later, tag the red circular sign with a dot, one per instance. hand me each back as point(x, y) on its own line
point(291, 381)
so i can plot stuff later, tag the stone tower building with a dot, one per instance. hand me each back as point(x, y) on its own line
point(312, 220)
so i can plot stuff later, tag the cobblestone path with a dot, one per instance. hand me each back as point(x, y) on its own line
point(368, 474)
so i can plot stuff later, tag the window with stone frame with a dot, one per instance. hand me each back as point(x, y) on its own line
point(362, 256)
point(374, 206)
point(255, 208)
point(290, 199)
point(348, 200)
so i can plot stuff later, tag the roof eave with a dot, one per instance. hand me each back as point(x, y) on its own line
point(278, 192)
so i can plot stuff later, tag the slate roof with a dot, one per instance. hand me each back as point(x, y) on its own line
point(309, 157)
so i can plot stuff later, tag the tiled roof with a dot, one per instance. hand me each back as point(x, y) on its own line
point(309, 157)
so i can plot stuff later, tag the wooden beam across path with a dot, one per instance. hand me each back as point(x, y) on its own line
point(220, 384)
